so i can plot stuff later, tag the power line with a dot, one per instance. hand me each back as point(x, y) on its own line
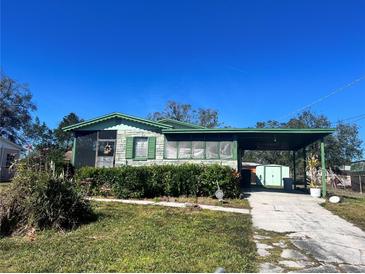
point(335, 91)
point(357, 117)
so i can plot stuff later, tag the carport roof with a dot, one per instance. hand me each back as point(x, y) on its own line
point(264, 138)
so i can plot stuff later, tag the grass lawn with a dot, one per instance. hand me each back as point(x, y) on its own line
point(3, 186)
point(131, 238)
point(351, 209)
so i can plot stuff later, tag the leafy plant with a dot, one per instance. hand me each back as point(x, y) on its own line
point(38, 200)
point(159, 180)
point(312, 167)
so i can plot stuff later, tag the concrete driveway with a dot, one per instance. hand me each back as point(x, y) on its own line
point(335, 244)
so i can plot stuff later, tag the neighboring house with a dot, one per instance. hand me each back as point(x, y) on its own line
point(9, 152)
point(117, 139)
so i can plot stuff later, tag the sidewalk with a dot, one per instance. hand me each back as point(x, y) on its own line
point(172, 204)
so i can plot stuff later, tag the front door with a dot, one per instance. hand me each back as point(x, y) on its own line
point(273, 176)
point(105, 153)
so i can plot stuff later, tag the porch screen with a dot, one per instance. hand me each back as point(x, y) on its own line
point(212, 150)
point(184, 150)
point(85, 153)
point(171, 150)
point(198, 149)
point(226, 150)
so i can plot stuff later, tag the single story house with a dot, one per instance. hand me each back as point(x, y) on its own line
point(9, 152)
point(117, 139)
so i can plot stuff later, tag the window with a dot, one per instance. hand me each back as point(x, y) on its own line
point(171, 150)
point(10, 158)
point(225, 151)
point(106, 148)
point(198, 149)
point(212, 150)
point(140, 147)
point(108, 134)
point(184, 150)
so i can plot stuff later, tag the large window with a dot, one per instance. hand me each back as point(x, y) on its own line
point(198, 149)
point(225, 151)
point(171, 150)
point(140, 147)
point(212, 150)
point(184, 150)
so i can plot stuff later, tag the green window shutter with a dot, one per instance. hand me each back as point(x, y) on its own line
point(234, 148)
point(151, 147)
point(129, 148)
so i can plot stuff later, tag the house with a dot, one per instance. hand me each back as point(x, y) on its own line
point(9, 152)
point(118, 139)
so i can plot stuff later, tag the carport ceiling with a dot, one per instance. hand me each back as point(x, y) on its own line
point(263, 138)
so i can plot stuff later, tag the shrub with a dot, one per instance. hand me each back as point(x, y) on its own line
point(160, 180)
point(38, 200)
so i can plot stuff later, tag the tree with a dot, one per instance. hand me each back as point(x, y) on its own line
point(16, 107)
point(185, 113)
point(208, 118)
point(342, 147)
point(173, 110)
point(347, 144)
point(40, 135)
point(65, 139)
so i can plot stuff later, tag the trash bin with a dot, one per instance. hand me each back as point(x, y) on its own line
point(288, 184)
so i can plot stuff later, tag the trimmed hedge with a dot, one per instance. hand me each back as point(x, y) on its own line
point(159, 180)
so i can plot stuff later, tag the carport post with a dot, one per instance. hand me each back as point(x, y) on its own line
point(294, 168)
point(305, 166)
point(323, 162)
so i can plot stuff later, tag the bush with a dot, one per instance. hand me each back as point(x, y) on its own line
point(37, 200)
point(159, 180)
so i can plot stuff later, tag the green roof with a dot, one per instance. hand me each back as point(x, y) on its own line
point(116, 115)
point(260, 138)
point(179, 124)
point(251, 130)
point(247, 138)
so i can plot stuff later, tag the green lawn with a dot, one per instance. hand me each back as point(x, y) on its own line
point(351, 209)
point(130, 238)
point(3, 186)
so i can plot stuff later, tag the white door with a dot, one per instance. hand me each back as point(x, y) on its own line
point(273, 175)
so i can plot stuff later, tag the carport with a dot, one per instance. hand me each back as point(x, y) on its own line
point(283, 139)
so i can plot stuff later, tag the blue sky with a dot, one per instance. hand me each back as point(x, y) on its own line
point(251, 60)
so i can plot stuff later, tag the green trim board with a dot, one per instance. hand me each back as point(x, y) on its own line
point(116, 115)
point(73, 151)
point(252, 130)
point(260, 138)
point(179, 124)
